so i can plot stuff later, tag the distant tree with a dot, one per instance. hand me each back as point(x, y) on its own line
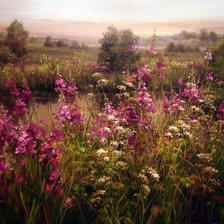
point(115, 51)
point(75, 44)
point(213, 36)
point(183, 34)
point(60, 43)
point(180, 48)
point(16, 38)
point(171, 47)
point(48, 42)
point(84, 47)
point(203, 35)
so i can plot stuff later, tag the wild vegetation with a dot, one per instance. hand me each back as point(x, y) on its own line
point(153, 155)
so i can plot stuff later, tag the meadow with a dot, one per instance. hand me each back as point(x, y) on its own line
point(151, 153)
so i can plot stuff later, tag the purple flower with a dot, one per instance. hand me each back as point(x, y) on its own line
point(144, 98)
point(192, 92)
point(220, 112)
point(208, 56)
point(69, 89)
point(144, 73)
point(210, 76)
point(134, 47)
point(180, 82)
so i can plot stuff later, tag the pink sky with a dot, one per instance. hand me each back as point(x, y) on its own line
point(89, 18)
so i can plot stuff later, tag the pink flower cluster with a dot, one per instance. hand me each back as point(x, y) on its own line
point(134, 47)
point(20, 98)
point(144, 73)
point(192, 92)
point(144, 98)
point(129, 118)
point(69, 89)
point(151, 50)
point(220, 112)
point(68, 113)
point(174, 105)
point(23, 144)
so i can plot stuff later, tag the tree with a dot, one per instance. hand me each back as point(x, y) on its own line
point(126, 58)
point(75, 44)
point(203, 35)
point(48, 42)
point(213, 36)
point(108, 50)
point(2, 39)
point(61, 43)
point(16, 38)
point(171, 47)
point(180, 48)
point(115, 51)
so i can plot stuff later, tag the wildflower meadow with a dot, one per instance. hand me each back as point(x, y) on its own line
point(153, 154)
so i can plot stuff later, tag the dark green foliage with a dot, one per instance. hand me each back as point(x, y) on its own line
point(213, 36)
point(181, 48)
point(115, 51)
point(60, 43)
point(217, 63)
point(6, 56)
point(48, 42)
point(171, 47)
point(203, 35)
point(17, 38)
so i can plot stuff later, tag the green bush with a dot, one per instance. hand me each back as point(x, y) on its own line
point(217, 64)
point(116, 50)
point(6, 56)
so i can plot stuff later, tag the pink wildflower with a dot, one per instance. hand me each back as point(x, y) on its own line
point(208, 56)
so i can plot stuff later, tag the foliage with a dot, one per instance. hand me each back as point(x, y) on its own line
point(6, 56)
point(48, 42)
point(116, 51)
point(16, 38)
point(181, 48)
point(60, 43)
point(217, 63)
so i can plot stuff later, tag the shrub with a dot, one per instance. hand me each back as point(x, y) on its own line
point(171, 47)
point(17, 38)
point(6, 56)
point(48, 42)
point(217, 63)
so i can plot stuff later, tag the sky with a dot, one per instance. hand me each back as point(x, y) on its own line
point(90, 18)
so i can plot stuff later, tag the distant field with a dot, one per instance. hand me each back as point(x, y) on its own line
point(35, 49)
